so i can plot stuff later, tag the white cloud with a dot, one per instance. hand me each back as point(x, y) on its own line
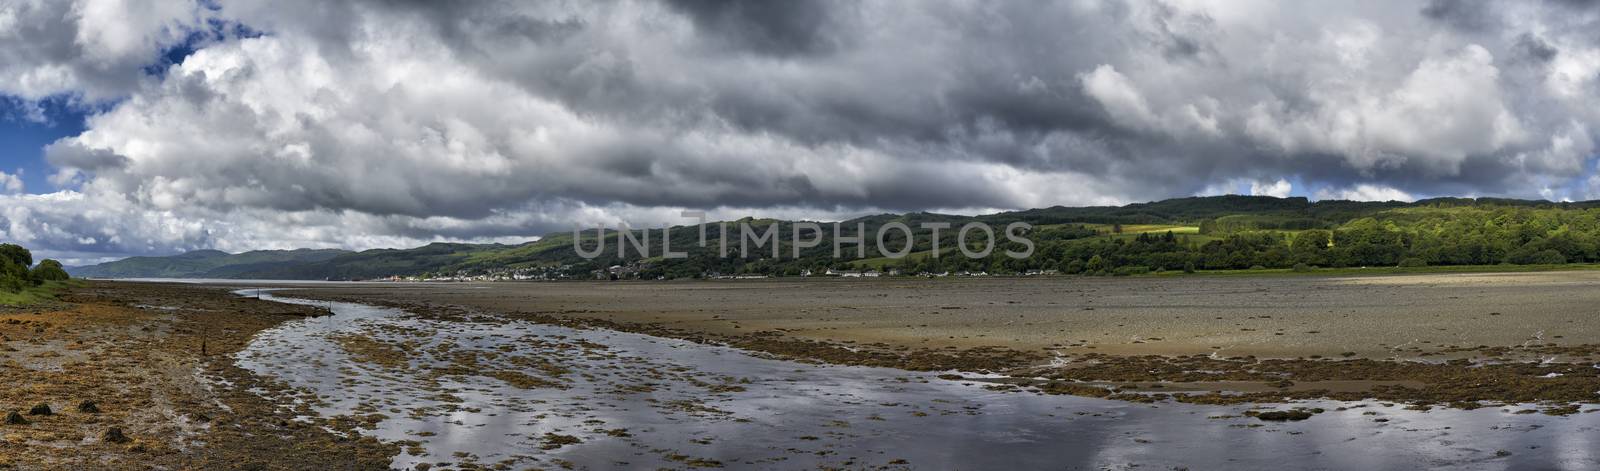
point(1119, 97)
point(10, 183)
point(1591, 188)
point(1364, 192)
point(1278, 189)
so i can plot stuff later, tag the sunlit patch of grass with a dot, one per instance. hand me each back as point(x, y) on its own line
point(37, 294)
point(1353, 271)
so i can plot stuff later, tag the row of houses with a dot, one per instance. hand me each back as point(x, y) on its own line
point(563, 272)
point(632, 271)
point(897, 272)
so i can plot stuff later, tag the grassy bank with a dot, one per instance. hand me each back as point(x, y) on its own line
point(1357, 271)
point(37, 294)
point(1344, 271)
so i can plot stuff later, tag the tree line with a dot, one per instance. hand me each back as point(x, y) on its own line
point(1409, 236)
point(17, 271)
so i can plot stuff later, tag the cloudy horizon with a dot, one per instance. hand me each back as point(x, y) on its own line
point(154, 127)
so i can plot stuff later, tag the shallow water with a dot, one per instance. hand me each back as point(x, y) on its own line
point(678, 403)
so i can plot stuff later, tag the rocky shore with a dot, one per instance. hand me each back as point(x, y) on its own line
point(141, 376)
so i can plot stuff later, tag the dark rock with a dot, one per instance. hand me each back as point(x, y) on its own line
point(88, 407)
point(40, 409)
point(13, 418)
point(1282, 415)
point(114, 435)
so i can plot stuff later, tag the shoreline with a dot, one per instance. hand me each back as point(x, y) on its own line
point(1315, 272)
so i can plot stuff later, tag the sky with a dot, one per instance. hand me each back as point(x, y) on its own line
point(154, 127)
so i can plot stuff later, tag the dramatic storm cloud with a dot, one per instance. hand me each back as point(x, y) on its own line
point(378, 123)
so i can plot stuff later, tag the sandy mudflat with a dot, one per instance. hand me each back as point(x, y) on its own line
point(1376, 317)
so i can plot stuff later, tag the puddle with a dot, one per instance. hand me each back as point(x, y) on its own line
point(620, 400)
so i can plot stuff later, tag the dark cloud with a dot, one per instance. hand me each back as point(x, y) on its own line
point(1578, 4)
point(779, 28)
point(69, 155)
point(1470, 15)
point(1534, 48)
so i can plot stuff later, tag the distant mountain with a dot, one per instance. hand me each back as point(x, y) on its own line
point(378, 263)
point(1215, 232)
point(205, 264)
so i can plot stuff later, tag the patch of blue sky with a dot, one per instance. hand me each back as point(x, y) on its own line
point(26, 126)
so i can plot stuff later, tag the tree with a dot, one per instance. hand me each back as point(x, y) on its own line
point(50, 270)
point(1311, 247)
point(1095, 265)
point(16, 254)
point(1368, 242)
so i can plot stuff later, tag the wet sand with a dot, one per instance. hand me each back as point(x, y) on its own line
point(1377, 317)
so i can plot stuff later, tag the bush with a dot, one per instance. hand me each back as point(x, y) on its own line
point(1257, 267)
point(1549, 257)
point(1130, 270)
point(1412, 262)
point(13, 277)
point(1301, 267)
point(1529, 255)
